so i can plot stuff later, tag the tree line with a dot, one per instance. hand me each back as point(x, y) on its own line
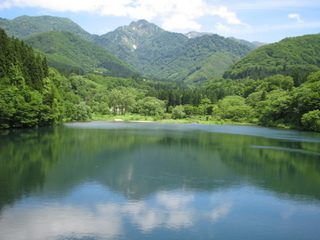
point(34, 95)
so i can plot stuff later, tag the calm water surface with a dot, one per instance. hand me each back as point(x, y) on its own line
point(117, 180)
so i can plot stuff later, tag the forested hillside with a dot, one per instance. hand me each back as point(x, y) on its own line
point(25, 26)
point(27, 97)
point(173, 56)
point(34, 95)
point(295, 57)
point(68, 53)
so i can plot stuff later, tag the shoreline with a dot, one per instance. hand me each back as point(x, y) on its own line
point(198, 123)
point(121, 120)
point(199, 120)
point(203, 122)
point(177, 122)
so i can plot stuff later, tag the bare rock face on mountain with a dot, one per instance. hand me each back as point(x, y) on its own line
point(130, 36)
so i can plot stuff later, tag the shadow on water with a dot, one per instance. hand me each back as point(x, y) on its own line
point(26, 156)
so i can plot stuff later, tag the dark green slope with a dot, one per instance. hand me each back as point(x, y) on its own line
point(296, 57)
point(205, 57)
point(25, 26)
point(156, 55)
point(173, 56)
point(65, 50)
point(28, 98)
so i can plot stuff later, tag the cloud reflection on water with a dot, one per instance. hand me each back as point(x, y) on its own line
point(168, 210)
point(58, 220)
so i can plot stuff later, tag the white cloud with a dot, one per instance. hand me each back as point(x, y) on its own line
point(222, 28)
point(180, 22)
point(296, 16)
point(224, 13)
point(178, 14)
point(232, 30)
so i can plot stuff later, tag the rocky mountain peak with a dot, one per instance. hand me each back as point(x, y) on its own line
point(143, 27)
point(135, 34)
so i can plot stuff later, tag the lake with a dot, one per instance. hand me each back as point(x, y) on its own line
point(122, 180)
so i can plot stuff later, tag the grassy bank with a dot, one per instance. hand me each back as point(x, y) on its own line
point(140, 118)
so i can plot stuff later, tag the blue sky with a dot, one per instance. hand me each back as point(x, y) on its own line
point(253, 20)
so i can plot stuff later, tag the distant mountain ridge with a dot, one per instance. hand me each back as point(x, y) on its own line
point(148, 48)
point(173, 56)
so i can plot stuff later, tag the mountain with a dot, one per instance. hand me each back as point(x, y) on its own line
point(152, 51)
point(125, 40)
point(173, 56)
point(130, 36)
point(296, 57)
point(25, 26)
point(68, 52)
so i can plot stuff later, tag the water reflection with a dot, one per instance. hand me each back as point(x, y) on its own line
point(175, 211)
point(61, 222)
point(107, 220)
point(142, 181)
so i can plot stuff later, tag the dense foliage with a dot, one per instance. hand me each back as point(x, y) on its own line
point(295, 57)
point(27, 97)
point(272, 101)
point(67, 52)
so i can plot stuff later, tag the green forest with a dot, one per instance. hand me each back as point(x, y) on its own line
point(172, 56)
point(268, 87)
point(295, 57)
point(68, 53)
